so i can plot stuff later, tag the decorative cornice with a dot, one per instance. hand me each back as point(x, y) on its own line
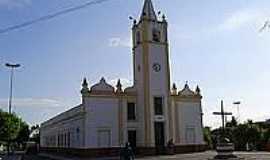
point(100, 92)
point(195, 98)
point(151, 42)
point(111, 95)
point(127, 93)
point(130, 90)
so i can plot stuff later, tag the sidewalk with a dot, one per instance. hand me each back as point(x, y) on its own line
point(12, 157)
point(74, 158)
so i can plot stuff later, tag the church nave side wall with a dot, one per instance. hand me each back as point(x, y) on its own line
point(67, 133)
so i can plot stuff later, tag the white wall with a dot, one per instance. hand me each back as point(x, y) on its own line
point(139, 82)
point(190, 119)
point(102, 115)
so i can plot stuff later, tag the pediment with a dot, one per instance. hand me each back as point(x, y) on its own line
point(102, 86)
point(186, 91)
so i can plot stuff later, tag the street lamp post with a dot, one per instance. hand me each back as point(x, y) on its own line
point(12, 68)
point(237, 103)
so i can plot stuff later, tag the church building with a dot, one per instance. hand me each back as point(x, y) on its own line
point(148, 114)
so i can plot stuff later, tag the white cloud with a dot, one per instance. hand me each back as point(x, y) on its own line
point(125, 82)
point(244, 17)
point(119, 42)
point(10, 4)
point(32, 102)
point(37, 110)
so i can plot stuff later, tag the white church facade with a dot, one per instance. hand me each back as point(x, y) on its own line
point(147, 114)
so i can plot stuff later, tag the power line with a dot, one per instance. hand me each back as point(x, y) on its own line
point(265, 26)
point(51, 16)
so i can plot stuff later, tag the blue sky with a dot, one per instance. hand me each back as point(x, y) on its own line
point(215, 44)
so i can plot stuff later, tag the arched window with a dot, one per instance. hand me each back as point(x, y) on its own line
point(78, 135)
point(156, 35)
point(138, 37)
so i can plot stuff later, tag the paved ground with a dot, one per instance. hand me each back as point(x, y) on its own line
point(210, 155)
point(12, 157)
point(1, 155)
point(34, 157)
point(196, 156)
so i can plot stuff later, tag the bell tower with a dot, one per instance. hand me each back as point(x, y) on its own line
point(152, 74)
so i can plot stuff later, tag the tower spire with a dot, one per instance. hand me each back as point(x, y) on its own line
point(148, 10)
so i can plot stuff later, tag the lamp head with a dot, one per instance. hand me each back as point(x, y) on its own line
point(237, 103)
point(12, 65)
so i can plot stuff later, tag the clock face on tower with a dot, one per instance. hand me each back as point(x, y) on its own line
point(156, 67)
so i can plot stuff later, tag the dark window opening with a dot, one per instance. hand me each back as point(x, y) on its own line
point(131, 110)
point(139, 68)
point(65, 140)
point(158, 104)
point(58, 140)
point(156, 35)
point(68, 139)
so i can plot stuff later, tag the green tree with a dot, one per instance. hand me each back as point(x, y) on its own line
point(239, 137)
point(2, 122)
point(253, 134)
point(35, 136)
point(256, 135)
point(207, 136)
point(23, 134)
point(247, 133)
point(232, 124)
point(13, 128)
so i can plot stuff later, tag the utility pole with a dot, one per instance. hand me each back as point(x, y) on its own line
point(12, 67)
